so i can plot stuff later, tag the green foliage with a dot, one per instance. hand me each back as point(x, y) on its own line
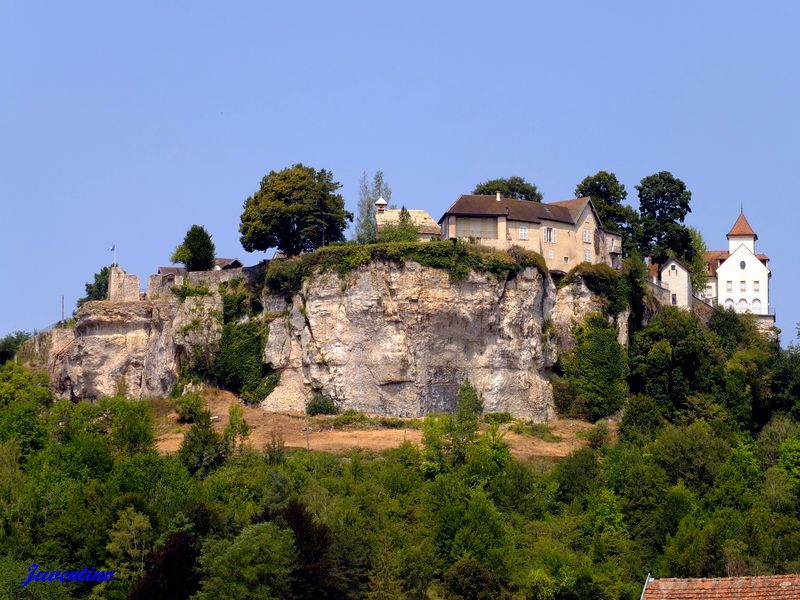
point(187, 290)
point(404, 231)
point(196, 252)
point(607, 194)
point(663, 205)
point(369, 193)
point(697, 265)
point(235, 300)
point(642, 420)
point(510, 187)
point(498, 418)
point(97, 290)
point(9, 345)
point(238, 365)
point(202, 449)
point(538, 430)
point(255, 565)
point(468, 578)
point(594, 372)
point(286, 276)
point(295, 210)
point(320, 404)
point(604, 281)
point(189, 407)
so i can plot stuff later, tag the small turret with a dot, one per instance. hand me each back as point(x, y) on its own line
point(380, 205)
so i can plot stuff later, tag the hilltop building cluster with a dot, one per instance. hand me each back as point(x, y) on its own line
point(566, 233)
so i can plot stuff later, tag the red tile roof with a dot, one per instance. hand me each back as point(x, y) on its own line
point(773, 587)
point(714, 258)
point(742, 228)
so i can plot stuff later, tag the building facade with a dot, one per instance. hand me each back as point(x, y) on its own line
point(739, 278)
point(675, 281)
point(565, 233)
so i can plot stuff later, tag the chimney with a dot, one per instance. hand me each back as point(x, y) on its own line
point(498, 196)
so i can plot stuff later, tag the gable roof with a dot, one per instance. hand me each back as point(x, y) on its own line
point(172, 270)
point(742, 228)
point(715, 258)
point(421, 218)
point(773, 587)
point(227, 263)
point(472, 205)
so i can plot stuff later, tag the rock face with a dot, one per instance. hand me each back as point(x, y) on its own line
point(385, 339)
point(402, 341)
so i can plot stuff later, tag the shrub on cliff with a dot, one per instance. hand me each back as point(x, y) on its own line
point(604, 281)
point(285, 276)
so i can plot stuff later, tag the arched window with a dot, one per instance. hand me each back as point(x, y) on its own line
point(757, 306)
point(742, 305)
point(728, 303)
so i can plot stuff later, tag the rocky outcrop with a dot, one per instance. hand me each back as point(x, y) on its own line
point(384, 339)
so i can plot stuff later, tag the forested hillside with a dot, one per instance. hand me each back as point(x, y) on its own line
point(703, 479)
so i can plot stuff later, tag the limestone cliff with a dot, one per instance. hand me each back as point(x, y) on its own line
point(385, 339)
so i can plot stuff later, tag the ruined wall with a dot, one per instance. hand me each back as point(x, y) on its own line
point(122, 286)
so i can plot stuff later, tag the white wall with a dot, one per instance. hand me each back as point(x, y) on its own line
point(754, 271)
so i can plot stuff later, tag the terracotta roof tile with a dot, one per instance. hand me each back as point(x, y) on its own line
point(714, 258)
point(742, 228)
point(773, 587)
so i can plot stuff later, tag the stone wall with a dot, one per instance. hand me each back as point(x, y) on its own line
point(122, 286)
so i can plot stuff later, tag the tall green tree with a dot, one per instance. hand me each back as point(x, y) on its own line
point(369, 193)
point(698, 266)
point(509, 187)
point(196, 252)
point(608, 194)
point(295, 210)
point(97, 290)
point(663, 206)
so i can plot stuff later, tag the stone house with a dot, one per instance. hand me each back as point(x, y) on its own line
point(565, 233)
point(427, 229)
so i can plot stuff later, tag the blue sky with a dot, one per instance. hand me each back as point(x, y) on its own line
point(127, 123)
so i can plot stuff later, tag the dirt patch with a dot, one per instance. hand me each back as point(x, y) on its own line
point(301, 431)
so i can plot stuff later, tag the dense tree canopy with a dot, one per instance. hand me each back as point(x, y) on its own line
point(196, 252)
point(663, 206)
point(295, 210)
point(510, 187)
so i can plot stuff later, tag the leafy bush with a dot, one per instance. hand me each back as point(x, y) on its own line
point(286, 276)
point(189, 407)
point(538, 430)
point(598, 436)
point(319, 404)
point(604, 281)
point(187, 290)
point(234, 299)
point(498, 418)
point(349, 417)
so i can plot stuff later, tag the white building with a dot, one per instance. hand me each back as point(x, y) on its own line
point(674, 278)
point(739, 278)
